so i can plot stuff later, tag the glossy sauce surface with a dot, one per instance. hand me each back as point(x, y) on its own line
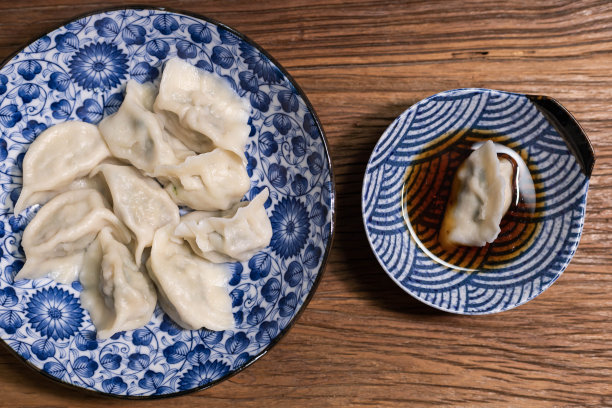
point(426, 191)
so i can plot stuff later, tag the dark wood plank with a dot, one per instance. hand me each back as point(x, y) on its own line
point(362, 340)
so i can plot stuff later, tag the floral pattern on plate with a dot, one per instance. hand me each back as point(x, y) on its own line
point(78, 72)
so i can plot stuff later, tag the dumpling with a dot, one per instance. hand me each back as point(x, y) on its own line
point(480, 196)
point(201, 109)
point(237, 236)
point(135, 134)
point(57, 157)
point(61, 229)
point(209, 181)
point(95, 183)
point(192, 291)
point(139, 202)
point(117, 294)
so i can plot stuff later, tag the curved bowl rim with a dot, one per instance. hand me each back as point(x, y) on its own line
point(384, 266)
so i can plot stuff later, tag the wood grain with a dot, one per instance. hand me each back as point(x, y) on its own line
point(363, 341)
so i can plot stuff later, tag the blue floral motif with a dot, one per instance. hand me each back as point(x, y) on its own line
point(222, 56)
point(312, 256)
point(133, 34)
point(61, 109)
point(260, 64)
point(260, 266)
point(200, 33)
point(143, 72)
point(138, 361)
point(199, 355)
point(277, 175)
point(315, 163)
point(237, 343)
point(43, 348)
point(8, 297)
point(236, 269)
point(267, 144)
point(79, 72)
point(3, 81)
point(142, 337)
point(32, 130)
point(176, 353)
point(299, 185)
point(282, 123)
point(111, 361)
point(158, 48)
point(288, 304)
point(59, 81)
point(10, 321)
point(271, 290)
point(90, 112)
point(267, 332)
point(151, 380)
point(114, 385)
point(68, 42)
point(85, 367)
point(165, 23)
point(28, 92)
point(86, 340)
point(203, 374)
point(186, 50)
point(10, 115)
point(29, 69)
point(319, 214)
point(289, 101)
point(290, 227)
point(54, 313)
point(310, 125)
point(294, 274)
point(256, 315)
point(101, 66)
point(106, 27)
point(55, 369)
point(112, 103)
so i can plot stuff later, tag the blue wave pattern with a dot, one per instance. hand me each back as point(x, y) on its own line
point(77, 72)
point(438, 122)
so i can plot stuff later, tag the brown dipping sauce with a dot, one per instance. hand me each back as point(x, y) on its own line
point(425, 193)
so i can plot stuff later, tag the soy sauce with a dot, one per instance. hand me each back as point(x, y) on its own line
point(425, 193)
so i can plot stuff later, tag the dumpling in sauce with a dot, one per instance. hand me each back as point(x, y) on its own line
point(236, 236)
point(62, 229)
point(192, 291)
point(139, 202)
point(116, 292)
point(135, 134)
point(209, 181)
point(201, 109)
point(57, 157)
point(481, 194)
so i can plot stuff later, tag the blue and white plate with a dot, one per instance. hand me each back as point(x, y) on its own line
point(408, 180)
point(78, 72)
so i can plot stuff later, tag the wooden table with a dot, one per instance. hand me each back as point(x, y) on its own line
point(362, 340)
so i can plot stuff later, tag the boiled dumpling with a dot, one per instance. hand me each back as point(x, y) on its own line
point(209, 181)
point(57, 157)
point(61, 229)
point(237, 236)
point(480, 196)
point(201, 109)
point(116, 292)
point(139, 202)
point(192, 291)
point(135, 134)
